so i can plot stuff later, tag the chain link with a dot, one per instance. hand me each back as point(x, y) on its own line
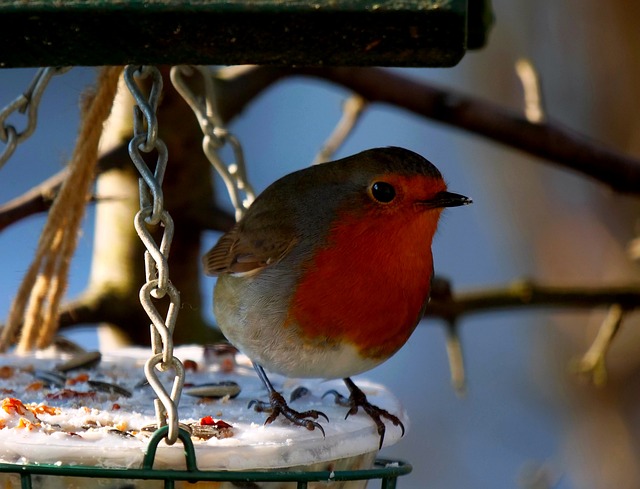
point(216, 136)
point(26, 103)
point(146, 140)
point(152, 212)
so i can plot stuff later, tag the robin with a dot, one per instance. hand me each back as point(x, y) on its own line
point(329, 271)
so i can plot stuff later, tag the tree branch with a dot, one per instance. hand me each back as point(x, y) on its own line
point(522, 294)
point(238, 86)
point(40, 198)
point(548, 140)
point(34, 201)
point(96, 307)
point(528, 294)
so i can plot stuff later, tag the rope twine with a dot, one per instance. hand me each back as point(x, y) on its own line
point(34, 311)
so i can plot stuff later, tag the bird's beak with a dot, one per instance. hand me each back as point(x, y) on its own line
point(447, 199)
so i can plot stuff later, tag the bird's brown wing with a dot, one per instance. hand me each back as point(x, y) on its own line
point(242, 252)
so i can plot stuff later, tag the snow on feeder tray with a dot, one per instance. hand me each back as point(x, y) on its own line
point(101, 416)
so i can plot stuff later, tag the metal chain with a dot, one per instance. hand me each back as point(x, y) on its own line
point(26, 103)
point(152, 212)
point(216, 136)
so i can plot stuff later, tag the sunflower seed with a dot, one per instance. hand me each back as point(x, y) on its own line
point(214, 390)
point(109, 388)
point(51, 378)
point(86, 360)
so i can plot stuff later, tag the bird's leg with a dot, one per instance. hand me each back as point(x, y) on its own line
point(279, 406)
point(358, 399)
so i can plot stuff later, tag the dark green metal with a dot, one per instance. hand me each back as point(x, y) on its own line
point(25, 480)
point(386, 470)
point(480, 21)
point(161, 434)
point(294, 32)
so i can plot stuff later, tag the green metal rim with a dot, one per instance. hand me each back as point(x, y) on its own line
point(383, 469)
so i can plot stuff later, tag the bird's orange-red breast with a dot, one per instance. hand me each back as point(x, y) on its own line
point(328, 273)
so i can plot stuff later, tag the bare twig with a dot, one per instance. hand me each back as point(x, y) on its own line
point(633, 249)
point(456, 360)
point(352, 110)
point(593, 362)
point(533, 106)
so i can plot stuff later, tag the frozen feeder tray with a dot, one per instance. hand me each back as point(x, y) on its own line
point(100, 417)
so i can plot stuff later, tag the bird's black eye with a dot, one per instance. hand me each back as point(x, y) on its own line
point(383, 192)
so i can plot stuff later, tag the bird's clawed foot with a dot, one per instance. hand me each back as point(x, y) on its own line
point(358, 399)
point(278, 406)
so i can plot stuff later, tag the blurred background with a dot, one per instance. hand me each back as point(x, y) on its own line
point(526, 420)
